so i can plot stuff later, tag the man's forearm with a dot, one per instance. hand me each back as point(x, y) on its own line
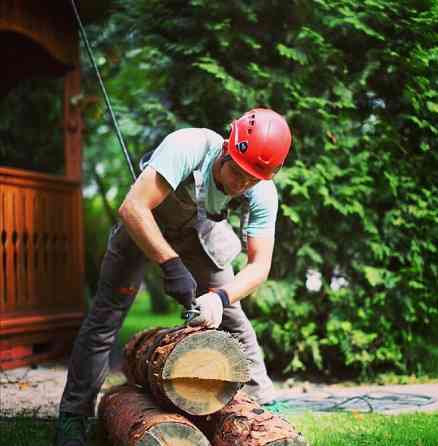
point(143, 229)
point(246, 281)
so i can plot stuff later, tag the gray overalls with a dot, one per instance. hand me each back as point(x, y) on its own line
point(206, 247)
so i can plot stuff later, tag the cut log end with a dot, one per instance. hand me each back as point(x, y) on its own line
point(210, 355)
point(204, 371)
point(130, 417)
point(288, 442)
point(174, 434)
point(199, 397)
point(284, 443)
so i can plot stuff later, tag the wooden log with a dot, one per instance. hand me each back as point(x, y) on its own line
point(195, 369)
point(129, 417)
point(244, 422)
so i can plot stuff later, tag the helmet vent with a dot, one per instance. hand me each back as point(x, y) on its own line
point(242, 146)
point(252, 122)
point(249, 130)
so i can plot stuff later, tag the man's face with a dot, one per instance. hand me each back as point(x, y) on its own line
point(235, 180)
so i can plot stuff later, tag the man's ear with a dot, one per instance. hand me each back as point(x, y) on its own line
point(225, 147)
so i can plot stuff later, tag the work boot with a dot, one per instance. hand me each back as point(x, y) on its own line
point(71, 430)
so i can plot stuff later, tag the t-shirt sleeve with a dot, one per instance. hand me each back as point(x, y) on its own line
point(179, 154)
point(263, 208)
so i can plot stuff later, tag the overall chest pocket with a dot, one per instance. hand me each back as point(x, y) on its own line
point(219, 242)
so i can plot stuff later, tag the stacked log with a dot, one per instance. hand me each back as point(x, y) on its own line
point(194, 369)
point(184, 390)
point(130, 417)
point(244, 422)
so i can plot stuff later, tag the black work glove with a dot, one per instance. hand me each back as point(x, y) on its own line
point(179, 282)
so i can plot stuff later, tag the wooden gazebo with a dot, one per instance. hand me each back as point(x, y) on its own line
point(41, 234)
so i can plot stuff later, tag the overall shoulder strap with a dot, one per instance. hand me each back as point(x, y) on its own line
point(244, 220)
point(144, 160)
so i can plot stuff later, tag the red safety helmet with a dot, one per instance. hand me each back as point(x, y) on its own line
point(259, 142)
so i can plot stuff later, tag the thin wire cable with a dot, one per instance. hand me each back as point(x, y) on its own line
point(102, 86)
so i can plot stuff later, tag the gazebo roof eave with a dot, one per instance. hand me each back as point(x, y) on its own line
point(93, 11)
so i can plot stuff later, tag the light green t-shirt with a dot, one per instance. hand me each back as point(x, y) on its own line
point(186, 150)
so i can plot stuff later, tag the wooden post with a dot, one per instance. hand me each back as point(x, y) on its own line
point(195, 369)
point(73, 125)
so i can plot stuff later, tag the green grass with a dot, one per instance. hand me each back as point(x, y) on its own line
point(25, 431)
point(140, 317)
point(413, 429)
point(344, 429)
point(335, 429)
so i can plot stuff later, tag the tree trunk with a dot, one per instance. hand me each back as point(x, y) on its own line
point(244, 422)
point(195, 369)
point(129, 417)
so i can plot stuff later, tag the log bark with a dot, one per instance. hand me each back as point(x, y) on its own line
point(244, 422)
point(129, 417)
point(195, 369)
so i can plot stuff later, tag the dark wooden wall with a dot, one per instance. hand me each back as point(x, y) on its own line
point(41, 234)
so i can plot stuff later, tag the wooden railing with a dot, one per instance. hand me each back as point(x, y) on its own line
point(41, 254)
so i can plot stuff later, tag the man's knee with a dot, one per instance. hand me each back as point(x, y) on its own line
point(236, 321)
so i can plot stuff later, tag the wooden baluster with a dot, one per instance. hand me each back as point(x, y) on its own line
point(10, 250)
point(79, 249)
point(74, 237)
point(50, 229)
point(38, 260)
point(55, 204)
point(20, 251)
point(3, 283)
point(57, 252)
point(68, 283)
point(47, 298)
point(61, 284)
point(69, 253)
point(25, 244)
point(29, 225)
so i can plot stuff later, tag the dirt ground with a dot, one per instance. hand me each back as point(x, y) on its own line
point(37, 391)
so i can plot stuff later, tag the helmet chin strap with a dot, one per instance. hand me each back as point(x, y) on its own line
point(219, 185)
point(224, 158)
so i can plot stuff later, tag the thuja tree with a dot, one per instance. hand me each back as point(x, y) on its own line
point(357, 82)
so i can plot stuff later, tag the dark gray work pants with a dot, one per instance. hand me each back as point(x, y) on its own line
point(121, 274)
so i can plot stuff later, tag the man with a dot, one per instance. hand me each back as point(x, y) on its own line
point(175, 215)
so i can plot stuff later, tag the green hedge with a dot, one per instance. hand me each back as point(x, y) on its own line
point(359, 194)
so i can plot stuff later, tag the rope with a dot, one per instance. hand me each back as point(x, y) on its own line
point(102, 87)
